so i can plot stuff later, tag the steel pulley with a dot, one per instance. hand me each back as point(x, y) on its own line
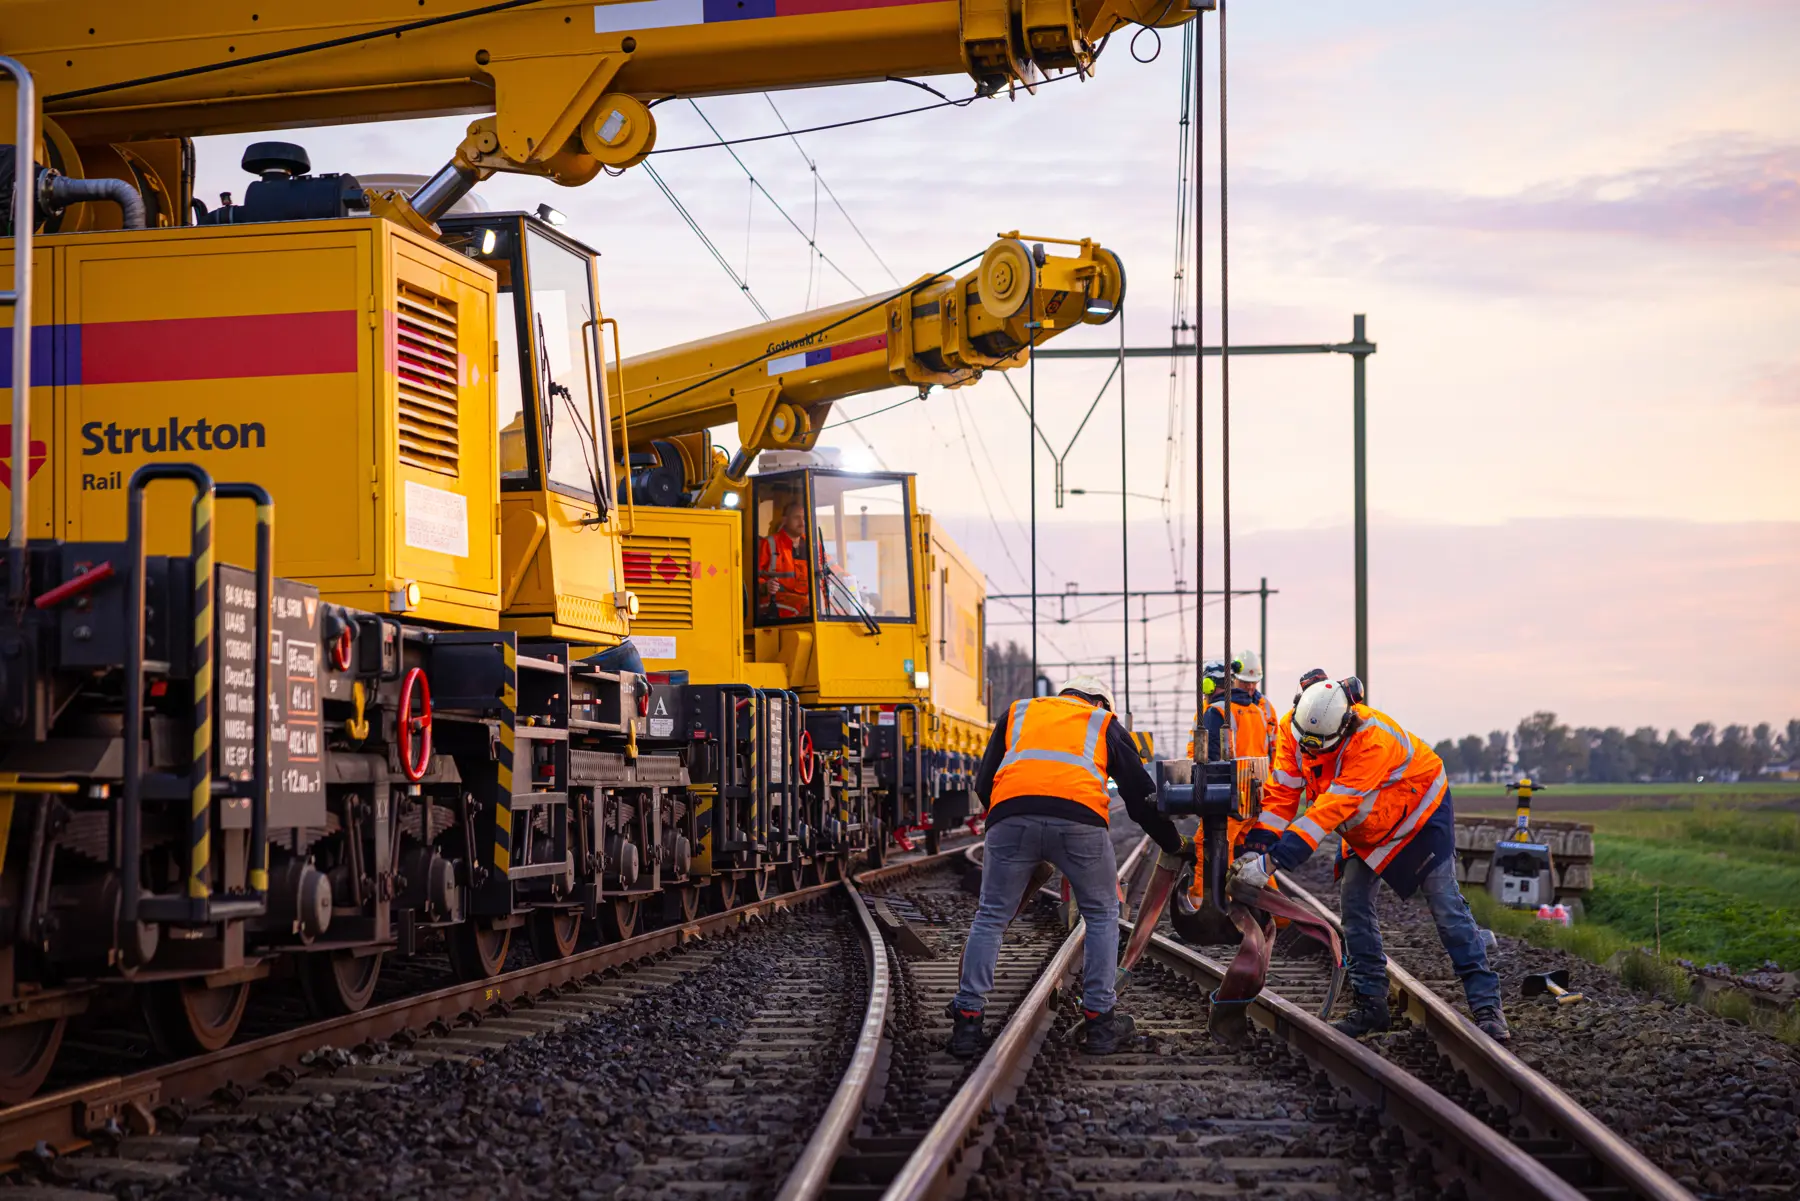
point(1006, 277)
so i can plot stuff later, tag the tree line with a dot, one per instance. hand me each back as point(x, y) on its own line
point(1551, 751)
point(1543, 747)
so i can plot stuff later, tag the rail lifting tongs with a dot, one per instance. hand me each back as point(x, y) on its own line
point(1218, 795)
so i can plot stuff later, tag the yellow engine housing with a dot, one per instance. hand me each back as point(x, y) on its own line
point(349, 367)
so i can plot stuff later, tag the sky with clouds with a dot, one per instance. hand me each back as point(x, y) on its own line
point(1574, 228)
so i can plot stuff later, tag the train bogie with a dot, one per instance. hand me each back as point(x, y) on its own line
point(314, 790)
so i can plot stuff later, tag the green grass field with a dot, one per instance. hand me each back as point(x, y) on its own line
point(1715, 873)
point(1586, 798)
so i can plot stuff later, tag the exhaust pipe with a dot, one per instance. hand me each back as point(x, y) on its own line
point(57, 192)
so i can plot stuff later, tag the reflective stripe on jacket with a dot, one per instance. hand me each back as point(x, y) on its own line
point(1377, 789)
point(1055, 746)
point(1281, 791)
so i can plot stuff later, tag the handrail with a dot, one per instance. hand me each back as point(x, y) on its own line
point(813, 1171)
point(1527, 1093)
point(24, 219)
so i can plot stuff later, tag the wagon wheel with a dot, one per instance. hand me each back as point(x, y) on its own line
point(553, 933)
point(934, 839)
point(27, 1052)
point(757, 883)
point(680, 905)
point(619, 919)
point(187, 1018)
point(722, 892)
point(336, 983)
point(478, 949)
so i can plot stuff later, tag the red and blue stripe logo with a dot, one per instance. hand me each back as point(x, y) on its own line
point(669, 14)
point(801, 359)
point(188, 348)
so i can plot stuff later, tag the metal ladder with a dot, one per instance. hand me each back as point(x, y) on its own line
point(24, 217)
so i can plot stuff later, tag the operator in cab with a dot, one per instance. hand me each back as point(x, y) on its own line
point(783, 575)
point(1043, 780)
point(1384, 792)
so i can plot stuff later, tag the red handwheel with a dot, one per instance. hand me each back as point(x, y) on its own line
point(340, 649)
point(806, 757)
point(411, 724)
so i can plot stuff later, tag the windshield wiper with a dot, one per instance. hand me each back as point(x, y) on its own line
point(831, 577)
point(554, 389)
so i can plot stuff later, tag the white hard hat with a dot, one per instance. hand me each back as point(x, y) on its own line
point(1322, 716)
point(1248, 667)
point(1092, 687)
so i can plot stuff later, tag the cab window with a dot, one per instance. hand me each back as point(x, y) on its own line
point(781, 551)
point(566, 365)
point(863, 531)
point(549, 354)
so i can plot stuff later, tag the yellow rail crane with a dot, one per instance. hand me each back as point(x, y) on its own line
point(835, 585)
point(392, 733)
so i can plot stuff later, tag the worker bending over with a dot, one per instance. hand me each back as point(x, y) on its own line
point(1385, 793)
point(1043, 780)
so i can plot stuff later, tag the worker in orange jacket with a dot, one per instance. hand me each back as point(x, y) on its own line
point(1384, 792)
point(1252, 721)
point(782, 569)
point(1043, 779)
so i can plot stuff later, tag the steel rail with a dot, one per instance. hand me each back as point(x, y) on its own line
point(1530, 1097)
point(812, 1174)
point(70, 1119)
point(928, 1172)
point(1487, 1163)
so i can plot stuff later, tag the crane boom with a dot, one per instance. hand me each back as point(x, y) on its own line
point(568, 83)
point(778, 381)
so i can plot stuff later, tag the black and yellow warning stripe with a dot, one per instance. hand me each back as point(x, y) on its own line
point(503, 801)
point(200, 771)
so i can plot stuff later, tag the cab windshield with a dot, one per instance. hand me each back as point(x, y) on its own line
point(550, 352)
point(864, 535)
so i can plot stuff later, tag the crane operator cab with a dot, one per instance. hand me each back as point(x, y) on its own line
point(833, 547)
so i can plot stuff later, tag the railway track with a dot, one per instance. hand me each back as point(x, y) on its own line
point(124, 1119)
point(821, 1073)
point(1299, 1110)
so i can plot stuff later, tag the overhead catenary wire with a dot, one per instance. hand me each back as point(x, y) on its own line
point(743, 285)
point(854, 121)
point(813, 166)
point(757, 185)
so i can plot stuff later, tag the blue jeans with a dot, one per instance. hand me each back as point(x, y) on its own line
point(1455, 924)
point(1084, 854)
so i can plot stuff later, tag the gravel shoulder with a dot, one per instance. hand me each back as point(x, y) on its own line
point(1714, 1103)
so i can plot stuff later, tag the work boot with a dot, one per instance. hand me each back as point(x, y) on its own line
point(1369, 1017)
point(1492, 1023)
point(1104, 1033)
point(966, 1038)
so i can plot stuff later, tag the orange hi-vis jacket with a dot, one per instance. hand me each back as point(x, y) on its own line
point(1377, 789)
point(1255, 738)
point(1055, 746)
point(1263, 711)
point(781, 562)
